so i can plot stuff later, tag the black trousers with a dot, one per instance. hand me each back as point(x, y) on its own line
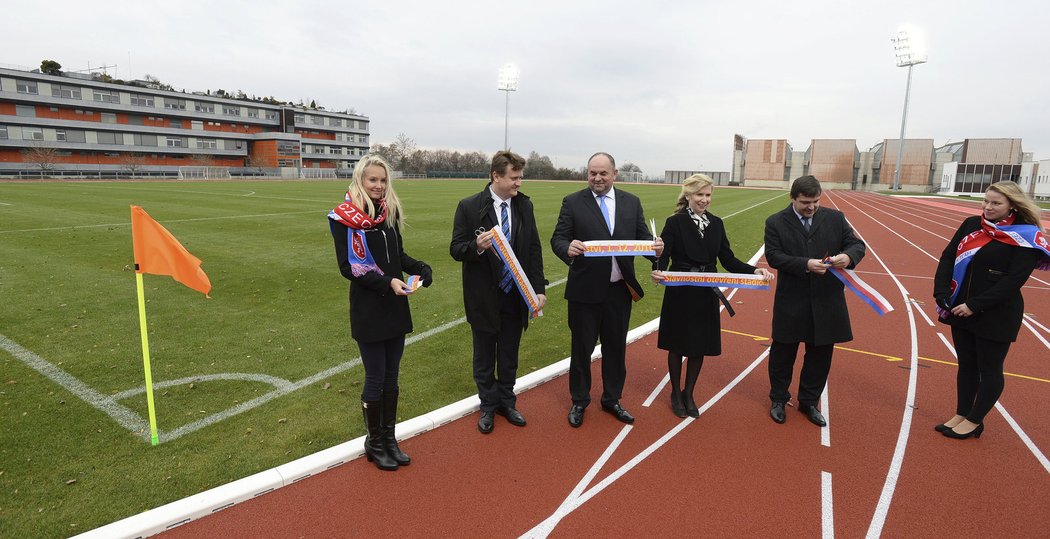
point(496, 355)
point(382, 360)
point(608, 321)
point(816, 364)
point(980, 379)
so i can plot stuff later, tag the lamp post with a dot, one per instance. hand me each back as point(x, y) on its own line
point(508, 82)
point(907, 56)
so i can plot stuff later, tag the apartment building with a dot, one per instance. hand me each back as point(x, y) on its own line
point(73, 123)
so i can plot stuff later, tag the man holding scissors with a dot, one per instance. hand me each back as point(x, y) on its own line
point(493, 299)
point(600, 288)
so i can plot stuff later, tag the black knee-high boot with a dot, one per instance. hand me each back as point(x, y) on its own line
point(389, 420)
point(692, 372)
point(375, 449)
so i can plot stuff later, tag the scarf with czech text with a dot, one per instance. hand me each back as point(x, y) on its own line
point(1004, 231)
point(350, 216)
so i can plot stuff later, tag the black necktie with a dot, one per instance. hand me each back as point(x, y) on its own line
point(805, 223)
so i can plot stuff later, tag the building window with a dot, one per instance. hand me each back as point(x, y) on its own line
point(176, 142)
point(109, 118)
point(271, 115)
point(106, 96)
point(3, 132)
point(231, 111)
point(145, 140)
point(317, 120)
point(105, 137)
point(60, 135)
point(207, 143)
point(32, 133)
point(300, 118)
point(142, 100)
point(67, 92)
point(134, 119)
point(26, 87)
point(76, 135)
point(175, 123)
point(336, 122)
point(174, 104)
point(204, 107)
point(253, 113)
point(233, 144)
point(25, 110)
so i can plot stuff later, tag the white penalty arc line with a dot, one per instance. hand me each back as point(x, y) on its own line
point(572, 502)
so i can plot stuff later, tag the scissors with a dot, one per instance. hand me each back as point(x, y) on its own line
point(481, 230)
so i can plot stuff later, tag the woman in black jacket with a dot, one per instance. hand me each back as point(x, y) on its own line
point(689, 319)
point(978, 292)
point(369, 248)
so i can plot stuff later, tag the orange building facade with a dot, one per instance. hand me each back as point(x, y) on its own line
point(76, 124)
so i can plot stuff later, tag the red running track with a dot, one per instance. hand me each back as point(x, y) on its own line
point(878, 469)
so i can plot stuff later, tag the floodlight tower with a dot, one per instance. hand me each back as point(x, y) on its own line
point(508, 82)
point(908, 55)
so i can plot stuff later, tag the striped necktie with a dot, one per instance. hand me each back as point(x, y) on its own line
point(805, 223)
point(504, 280)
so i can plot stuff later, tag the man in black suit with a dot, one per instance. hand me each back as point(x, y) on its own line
point(495, 309)
point(599, 289)
point(802, 242)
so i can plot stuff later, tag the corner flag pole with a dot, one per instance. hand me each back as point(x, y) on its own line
point(154, 440)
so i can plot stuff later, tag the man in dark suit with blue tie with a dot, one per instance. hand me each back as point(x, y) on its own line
point(495, 309)
point(599, 289)
point(802, 242)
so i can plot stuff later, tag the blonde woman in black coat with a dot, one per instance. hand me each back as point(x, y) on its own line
point(978, 292)
point(367, 228)
point(694, 240)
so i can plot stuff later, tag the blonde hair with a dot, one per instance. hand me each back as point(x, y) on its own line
point(691, 186)
point(1019, 202)
point(395, 216)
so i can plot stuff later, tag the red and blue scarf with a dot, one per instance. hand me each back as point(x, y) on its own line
point(1004, 231)
point(350, 216)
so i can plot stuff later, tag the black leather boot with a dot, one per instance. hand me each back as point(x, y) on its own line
point(389, 420)
point(375, 449)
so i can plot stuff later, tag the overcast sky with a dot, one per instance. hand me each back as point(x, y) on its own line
point(662, 84)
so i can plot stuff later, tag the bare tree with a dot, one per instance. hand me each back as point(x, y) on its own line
point(44, 157)
point(132, 163)
point(257, 163)
point(630, 167)
point(202, 160)
point(402, 148)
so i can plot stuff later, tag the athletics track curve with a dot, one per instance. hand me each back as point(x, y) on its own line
point(878, 469)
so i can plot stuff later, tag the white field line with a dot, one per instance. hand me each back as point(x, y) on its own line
point(5, 204)
point(882, 508)
point(136, 424)
point(827, 513)
point(1009, 419)
point(128, 222)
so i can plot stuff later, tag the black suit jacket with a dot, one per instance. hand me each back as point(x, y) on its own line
point(991, 287)
point(481, 273)
point(581, 219)
point(808, 307)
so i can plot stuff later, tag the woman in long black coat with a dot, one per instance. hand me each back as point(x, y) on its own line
point(978, 292)
point(689, 319)
point(370, 251)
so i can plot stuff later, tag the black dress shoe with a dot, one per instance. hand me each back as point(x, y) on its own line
point(485, 422)
point(975, 433)
point(690, 407)
point(942, 427)
point(676, 404)
point(575, 415)
point(777, 412)
point(813, 415)
point(513, 416)
point(619, 412)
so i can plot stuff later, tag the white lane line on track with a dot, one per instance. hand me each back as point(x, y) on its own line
point(827, 513)
point(825, 431)
point(918, 308)
point(1036, 452)
point(882, 508)
point(571, 503)
point(1036, 333)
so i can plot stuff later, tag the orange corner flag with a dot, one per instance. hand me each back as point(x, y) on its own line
point(159, 253)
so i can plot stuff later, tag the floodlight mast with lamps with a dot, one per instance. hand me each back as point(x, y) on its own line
point(508, 82)
point(906, 57)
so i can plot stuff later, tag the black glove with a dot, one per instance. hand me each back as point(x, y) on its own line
point(427, 275)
